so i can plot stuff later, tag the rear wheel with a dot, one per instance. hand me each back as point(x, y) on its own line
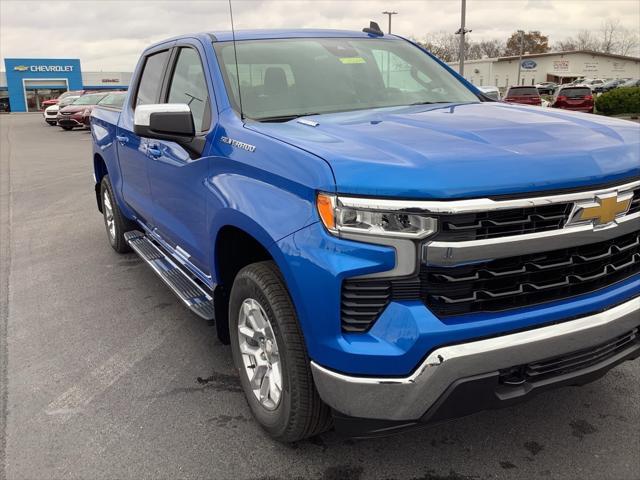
point(115, 223)
point(67, 128)
point(270, 355)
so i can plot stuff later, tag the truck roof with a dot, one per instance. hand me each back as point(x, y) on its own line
point(226, 36)
point(288, 33)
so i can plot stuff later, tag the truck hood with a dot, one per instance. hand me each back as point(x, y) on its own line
point(466, 150)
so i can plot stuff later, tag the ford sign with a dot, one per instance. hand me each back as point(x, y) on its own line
point(529, 64)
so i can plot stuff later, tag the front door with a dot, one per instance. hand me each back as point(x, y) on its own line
point(178, 174)
point(132, 149)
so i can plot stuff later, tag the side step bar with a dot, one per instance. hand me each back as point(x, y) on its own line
point(192, 294)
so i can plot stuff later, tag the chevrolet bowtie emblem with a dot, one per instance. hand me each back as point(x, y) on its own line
point(605, 209)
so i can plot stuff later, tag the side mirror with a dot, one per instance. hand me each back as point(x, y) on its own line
point(164, 121)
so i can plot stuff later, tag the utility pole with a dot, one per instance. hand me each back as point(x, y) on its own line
point(389, 14)
point(462, 32)
point(521, 32)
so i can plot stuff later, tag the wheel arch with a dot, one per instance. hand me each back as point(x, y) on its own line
point(99, 171)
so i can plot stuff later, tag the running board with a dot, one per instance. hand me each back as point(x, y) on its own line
point(192, 294)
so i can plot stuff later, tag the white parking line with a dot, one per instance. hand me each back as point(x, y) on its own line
point(76, 398)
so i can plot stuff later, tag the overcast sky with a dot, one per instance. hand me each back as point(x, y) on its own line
point(109, 35)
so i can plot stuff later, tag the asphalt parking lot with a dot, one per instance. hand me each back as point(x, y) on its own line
point(106, 375)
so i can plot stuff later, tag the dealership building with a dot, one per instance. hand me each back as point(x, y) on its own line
point(559, 67)
point(27, 82)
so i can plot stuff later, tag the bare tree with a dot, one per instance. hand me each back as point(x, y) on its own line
point(612, 37)
point(443, 45)
point(608, 35)
point(492, 48)
point(628, 42)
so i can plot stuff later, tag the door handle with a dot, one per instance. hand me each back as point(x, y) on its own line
point(154, 151)
point(122, 139)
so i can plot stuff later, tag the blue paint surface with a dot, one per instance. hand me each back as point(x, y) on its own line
point(423, 152)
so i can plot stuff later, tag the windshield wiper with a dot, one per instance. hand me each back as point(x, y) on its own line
point(427, 103)
point(285, 118)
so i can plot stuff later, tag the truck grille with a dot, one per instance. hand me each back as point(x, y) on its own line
point(571, 362)
point(503, 223)
point(530, 279)
point(496, 285)
point(635, 203)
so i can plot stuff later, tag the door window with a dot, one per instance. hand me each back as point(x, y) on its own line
point(188, 85)
point(151, 79)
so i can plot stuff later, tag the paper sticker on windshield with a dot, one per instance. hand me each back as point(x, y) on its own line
point(352, 60)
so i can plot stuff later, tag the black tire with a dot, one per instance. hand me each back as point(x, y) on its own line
point(121, 224)
point(300, 413)
point(51, 124)
point(67, 128)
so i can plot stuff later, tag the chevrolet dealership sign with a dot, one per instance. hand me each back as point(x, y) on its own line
point(44, 68)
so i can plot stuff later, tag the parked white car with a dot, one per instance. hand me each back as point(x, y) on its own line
point(491, 92)
point(51, 113)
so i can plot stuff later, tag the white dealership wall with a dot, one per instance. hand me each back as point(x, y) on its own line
point(105, 79)
point(503, 71)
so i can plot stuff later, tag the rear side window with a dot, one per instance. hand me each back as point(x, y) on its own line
point(575, 92)
point(151, 79)
point(188, 85)
point(517, 91)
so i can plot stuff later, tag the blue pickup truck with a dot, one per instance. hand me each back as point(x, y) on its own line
point(383, 246)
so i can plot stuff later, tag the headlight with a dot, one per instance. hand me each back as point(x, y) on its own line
point(86, 112)
point(338, 218)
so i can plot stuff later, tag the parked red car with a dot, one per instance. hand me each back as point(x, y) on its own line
point(523, 95)
point(74, 115)
point(55, 101)
point(110, 100)
point(576, 98)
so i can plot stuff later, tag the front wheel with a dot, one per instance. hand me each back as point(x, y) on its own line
point(270, 355)
point(67, 128)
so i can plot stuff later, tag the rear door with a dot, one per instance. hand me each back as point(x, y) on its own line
point(178, 174)
point(132, 149)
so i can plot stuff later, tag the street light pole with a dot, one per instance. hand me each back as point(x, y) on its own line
point(521, 32)
point(389, 14)
point(462, 32)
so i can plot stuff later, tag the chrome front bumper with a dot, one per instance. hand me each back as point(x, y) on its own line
point(407, 399)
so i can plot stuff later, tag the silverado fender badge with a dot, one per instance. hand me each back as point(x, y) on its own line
point(237, 144)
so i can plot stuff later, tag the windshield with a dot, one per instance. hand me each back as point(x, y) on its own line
point(67, 101)
point(282, 79)
point(113, 100)
point(89, 99)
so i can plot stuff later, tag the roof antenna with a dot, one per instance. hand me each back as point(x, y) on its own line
point(373, 29)
point(235, 54)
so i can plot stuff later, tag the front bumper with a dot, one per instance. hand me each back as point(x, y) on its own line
point(409, 399)
point(70, 121)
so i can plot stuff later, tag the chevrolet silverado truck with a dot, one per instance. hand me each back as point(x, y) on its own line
point(383, 246)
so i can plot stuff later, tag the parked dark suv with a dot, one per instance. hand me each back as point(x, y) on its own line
point(523, 95)
point(579, 99)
